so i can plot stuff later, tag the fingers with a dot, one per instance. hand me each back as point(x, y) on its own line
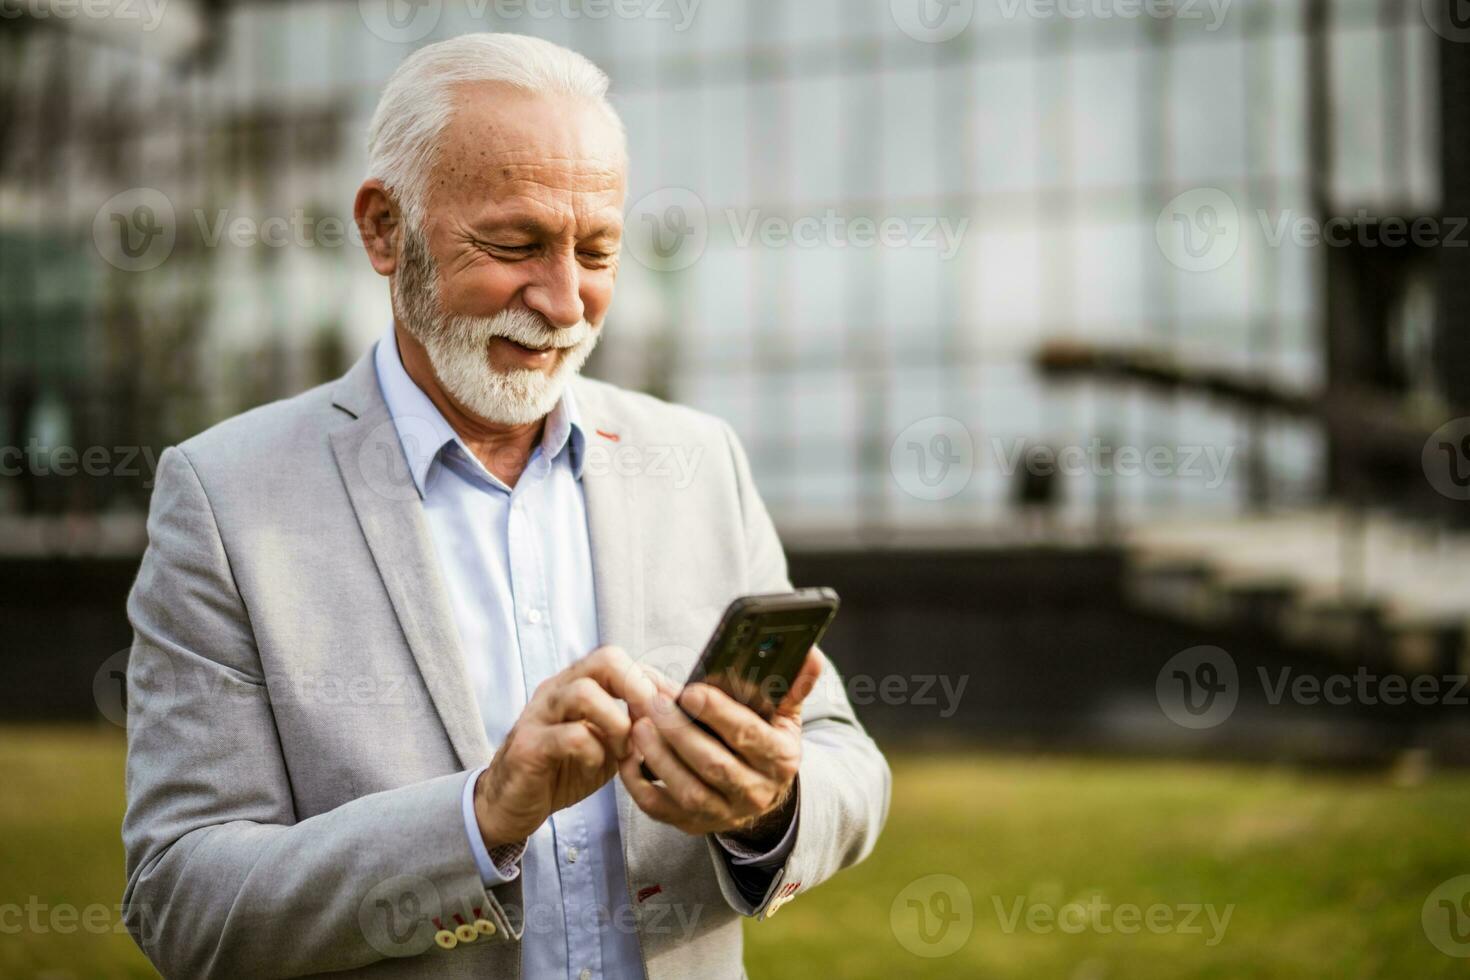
point(695, 799)
point(616, 672)
point(583, 699)
point(573, 740)
point(763, 747)
point(651, 799)
point(746, 789)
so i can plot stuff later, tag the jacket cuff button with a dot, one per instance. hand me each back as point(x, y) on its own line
point(446, 939)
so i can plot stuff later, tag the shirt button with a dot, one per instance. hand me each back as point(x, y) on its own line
point(572, 855)
point(533, 616)
point(585, 975)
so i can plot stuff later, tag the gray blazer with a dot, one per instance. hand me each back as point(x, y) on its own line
point(301, 719)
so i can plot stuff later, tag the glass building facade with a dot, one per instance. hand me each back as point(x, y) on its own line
point(881, 212)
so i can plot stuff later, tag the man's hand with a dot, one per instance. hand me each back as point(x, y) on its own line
point(564, 746)
point(744, 789)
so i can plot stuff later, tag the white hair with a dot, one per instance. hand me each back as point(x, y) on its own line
point(418, 101)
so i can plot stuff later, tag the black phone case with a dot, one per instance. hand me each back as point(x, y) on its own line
point(757, 650)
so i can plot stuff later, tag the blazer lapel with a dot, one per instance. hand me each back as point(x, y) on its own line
point(617, 559)
point(612, 527)
point(370, 459)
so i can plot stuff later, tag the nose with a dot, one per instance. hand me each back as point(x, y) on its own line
point(556, 292)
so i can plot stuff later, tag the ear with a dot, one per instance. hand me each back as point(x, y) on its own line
point(376, 214)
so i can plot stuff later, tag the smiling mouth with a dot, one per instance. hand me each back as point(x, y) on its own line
point(528, 350)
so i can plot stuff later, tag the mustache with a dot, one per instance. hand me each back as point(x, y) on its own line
point(524, 327)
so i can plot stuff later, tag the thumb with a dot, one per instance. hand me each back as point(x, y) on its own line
point(802, 685)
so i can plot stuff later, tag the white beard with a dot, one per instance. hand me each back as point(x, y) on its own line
point(458, 346)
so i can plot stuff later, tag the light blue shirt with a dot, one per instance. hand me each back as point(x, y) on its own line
point(517, 565)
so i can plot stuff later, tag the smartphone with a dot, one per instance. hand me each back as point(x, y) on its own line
point(759, 646)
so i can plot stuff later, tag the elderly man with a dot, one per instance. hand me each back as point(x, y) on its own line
point(383, 719)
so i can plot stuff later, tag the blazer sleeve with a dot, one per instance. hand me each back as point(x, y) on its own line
point(223, 879)
point(844, 779)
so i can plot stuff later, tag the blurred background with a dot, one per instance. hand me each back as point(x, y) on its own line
point(1109, 357)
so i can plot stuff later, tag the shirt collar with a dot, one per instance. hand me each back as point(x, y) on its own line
point(423, 432)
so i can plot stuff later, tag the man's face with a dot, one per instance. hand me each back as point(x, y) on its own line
point(508, 280)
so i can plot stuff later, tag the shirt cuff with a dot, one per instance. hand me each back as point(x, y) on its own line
point(744, 857)
point(500, 867)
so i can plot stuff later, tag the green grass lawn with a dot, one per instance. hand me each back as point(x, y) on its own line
point(1321, 876)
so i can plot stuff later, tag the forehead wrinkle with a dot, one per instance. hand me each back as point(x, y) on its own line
point(559, 215)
